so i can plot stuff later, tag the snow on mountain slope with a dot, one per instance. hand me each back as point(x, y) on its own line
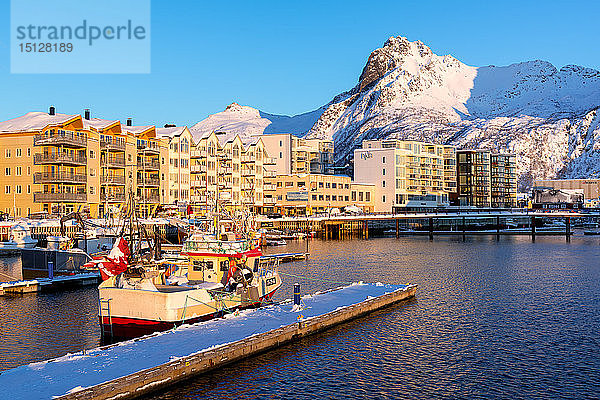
point(546, 116)
point(248, 121)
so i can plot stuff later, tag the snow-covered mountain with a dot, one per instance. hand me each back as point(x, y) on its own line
point(548, 117)
point(248, 121)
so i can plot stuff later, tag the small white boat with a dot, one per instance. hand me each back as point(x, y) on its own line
point(20, 238)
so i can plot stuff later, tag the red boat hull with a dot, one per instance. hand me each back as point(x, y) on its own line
point(128, 328)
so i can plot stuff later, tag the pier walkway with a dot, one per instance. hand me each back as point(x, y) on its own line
point(136, 367)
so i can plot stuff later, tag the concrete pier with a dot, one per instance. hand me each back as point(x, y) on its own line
point(135, 368)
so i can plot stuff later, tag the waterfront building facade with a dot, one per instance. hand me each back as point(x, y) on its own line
point(178, 141)
point(313, 194)
point(295, 155)
point(59, 163)
point(486, 179)
point(406, 174)
point(590, 187)
point(230, 171)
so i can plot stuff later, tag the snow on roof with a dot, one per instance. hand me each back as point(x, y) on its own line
point(136, 130)
point(98, 123)
point(35, 122)
point(171, 131)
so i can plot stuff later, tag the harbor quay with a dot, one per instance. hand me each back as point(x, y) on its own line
point(133, 369)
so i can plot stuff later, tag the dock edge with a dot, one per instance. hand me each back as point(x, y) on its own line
point(159, 377)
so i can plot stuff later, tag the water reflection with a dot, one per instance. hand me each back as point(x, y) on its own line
point(491, 319)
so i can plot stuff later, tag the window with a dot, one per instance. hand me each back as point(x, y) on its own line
point(383, 183)
point(18, 189)
point(18, 171)
point(7, 189)
point(383, 159)
point(92, 190)
point(353, 196)
point(28, 189)
point(28, 171)
point(280, 154)
point(383, 172)
point(383, 198)
point(320, 185)
point(367, 196)
point(280, 144)
point(7, 153)
point(18, 152)
point(314, 196)
point(7, 171)
point(92, 154)
point(334, 185)
point(28, 152)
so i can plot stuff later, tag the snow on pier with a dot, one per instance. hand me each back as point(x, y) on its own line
point(135, 367)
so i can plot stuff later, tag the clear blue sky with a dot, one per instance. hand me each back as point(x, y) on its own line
point(291, 57)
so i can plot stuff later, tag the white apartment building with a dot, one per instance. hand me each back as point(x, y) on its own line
point(406, 174)
point(295, 155)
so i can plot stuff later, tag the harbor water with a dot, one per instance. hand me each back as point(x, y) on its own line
point(492, 319)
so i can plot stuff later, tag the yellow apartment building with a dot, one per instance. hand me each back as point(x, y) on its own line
point(228, 170)
point(178, 140)
point(59, 163)
point(309, 194)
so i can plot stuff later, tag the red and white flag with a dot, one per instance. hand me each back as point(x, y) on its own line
point(114, 263)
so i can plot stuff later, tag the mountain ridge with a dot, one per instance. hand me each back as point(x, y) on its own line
point(546, 116)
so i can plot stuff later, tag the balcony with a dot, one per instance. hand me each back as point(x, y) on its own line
point(270, 174)
point(153, 165)
point(247, 186)
point(114, 162)
point(59, 177)
point(269, 187)
point(59, 158)
point(198, 154)
point(227, 170)
point(112, 180)
point(198, 168)
point(270, 161)
point(155, 199)
point(40, 197)
point(112, 145)
point(247, 172)
point(113, 197)
point(247, 158)
point(270, 200)
point(198, 199)
point(148, 147)
point(68, 139)
point(148, 181)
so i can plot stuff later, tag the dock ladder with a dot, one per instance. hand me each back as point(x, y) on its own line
point(105, 307)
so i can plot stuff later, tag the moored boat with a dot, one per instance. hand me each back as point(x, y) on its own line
point(212, 277)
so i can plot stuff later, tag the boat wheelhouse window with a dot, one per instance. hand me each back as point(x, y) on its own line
point(201, 265)
point(224, 265)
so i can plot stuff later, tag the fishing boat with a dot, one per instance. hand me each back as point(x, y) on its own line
point(214, 274)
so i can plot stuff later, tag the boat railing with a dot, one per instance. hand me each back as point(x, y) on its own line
point(217, 246)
